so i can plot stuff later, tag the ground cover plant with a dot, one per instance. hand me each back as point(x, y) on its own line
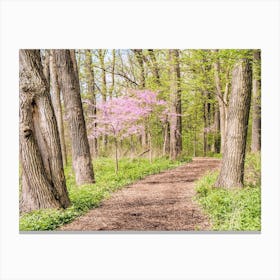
point(233, 209)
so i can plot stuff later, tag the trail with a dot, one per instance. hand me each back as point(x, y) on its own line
point(160, 202)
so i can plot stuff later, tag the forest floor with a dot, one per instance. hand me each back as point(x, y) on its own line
point(162, 202)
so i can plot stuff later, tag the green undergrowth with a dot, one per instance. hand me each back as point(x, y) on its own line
point(90, 196)
point(236, 209)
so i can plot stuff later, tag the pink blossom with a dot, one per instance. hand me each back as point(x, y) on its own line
point(126, 115)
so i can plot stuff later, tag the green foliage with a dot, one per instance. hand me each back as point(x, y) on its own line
point(89, 196)
point(184, 158)
point(214, 155)
point(253, 169)
point(237, 209)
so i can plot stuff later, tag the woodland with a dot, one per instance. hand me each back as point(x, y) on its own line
point(140, 139)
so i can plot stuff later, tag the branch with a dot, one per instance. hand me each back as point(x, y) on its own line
point(117, 73)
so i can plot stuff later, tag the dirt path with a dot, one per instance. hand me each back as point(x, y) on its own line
point(159, 202)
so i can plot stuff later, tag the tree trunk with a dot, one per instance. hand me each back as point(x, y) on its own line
point(256, 114)
point(139, 56)
point(150, 146)
point(70, 88)
point(217, 139)
point(101, 55)
point(222, 101)
point(175, 118)
point(194, 142)
point(89, 73)
point(112, 74)
point(232, 170)
point(155, 68)
point(142, 83)
point(166, 143)
point(55, 97)
point(46, 65)
point(43, 184)
point(116, 155)
point(207, 121)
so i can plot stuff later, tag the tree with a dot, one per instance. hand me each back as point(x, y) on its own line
point(43, 181)
point(112, 74)
point(91, 92)
point(101, 56)
point(222, 97)
point(175, 100)
point(70, 87)
point(55, 97)
point(139, 56)
point(216, 147)
point(127, 115)
point(256, 106)
point(142, 84)
point(232, 169)
point(155, 68)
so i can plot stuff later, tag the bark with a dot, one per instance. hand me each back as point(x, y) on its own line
point(116, 155)
point(43, 184)
point(139, 56)
point(46, 65)
point(166, 137)
point(217, 139)
point(112, 74)
point(90, 79)
point(256, 92)
point(194, 142)
point(142, 83)
point(55, 97)
point(69, 84)
point(232, 169)
point(155, 68)
point(175, 118)
point(222, 101)
point(150, 146)
point(207, 121)
point(101, 55)
point(74, 63)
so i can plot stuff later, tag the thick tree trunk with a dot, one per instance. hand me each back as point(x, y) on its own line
point(57, 105)
point(232, 170)
point(70, 88)
point(256, 114)
point(43, 178)
point(92, 94)
point(175, 118)
point(46, 65)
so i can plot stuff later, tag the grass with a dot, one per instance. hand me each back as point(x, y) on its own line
point(90, 196)
point(237, 209)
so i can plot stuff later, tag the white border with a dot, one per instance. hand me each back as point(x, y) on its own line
point(153, 24)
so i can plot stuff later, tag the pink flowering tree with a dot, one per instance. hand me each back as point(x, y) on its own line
point(126, 115)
